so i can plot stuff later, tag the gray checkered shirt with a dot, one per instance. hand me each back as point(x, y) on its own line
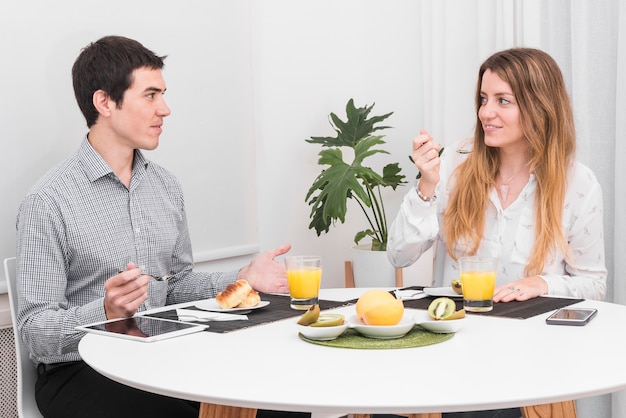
point(77, 227)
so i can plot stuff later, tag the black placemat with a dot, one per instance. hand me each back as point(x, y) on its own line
point(514, 309)
point(279, 308)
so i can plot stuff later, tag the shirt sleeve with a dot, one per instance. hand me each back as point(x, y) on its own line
point(413, 231)
point(46, 320)
point(585, 271)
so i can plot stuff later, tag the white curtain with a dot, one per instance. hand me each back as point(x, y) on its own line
point(588, 40)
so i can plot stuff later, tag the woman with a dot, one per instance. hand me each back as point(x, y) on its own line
point(517, 194)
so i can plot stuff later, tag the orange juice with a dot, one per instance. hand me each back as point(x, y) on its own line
point(304, 283)
point(304, 274)
point(478, 285)
point(478, 279)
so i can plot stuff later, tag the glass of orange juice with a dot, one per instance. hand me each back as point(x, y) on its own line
point(478, 279)
point(304, 273)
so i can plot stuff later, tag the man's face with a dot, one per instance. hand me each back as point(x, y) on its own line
point(138, 122)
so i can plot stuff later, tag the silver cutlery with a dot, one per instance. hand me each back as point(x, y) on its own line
point(160, 278)
point(399, 295)
point(157, 278)
point(194, 318)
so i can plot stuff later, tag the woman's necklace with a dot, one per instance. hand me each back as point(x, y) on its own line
point(504, 187)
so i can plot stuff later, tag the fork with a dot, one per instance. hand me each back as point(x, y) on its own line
point(398, 296)
point(160, 278)
point(157, 278)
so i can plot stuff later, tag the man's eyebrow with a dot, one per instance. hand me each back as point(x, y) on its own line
point(154, 90)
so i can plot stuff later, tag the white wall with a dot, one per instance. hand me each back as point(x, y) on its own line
point(309, 59)
point(248, 82)
point(208, 141)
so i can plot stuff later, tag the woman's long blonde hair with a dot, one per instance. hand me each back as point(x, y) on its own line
point(548, 125)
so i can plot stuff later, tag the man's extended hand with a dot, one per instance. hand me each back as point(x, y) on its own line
point(266, 274)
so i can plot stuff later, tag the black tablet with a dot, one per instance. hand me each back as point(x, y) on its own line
point(142, 328)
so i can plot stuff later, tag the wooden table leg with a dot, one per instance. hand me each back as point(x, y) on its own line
point(210, 410)
point(551, 410)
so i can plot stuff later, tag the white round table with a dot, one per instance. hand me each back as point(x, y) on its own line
point(490, 363)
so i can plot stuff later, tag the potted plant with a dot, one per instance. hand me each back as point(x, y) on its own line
point(341, 180)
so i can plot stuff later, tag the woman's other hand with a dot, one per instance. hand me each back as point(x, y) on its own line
point(522, 289)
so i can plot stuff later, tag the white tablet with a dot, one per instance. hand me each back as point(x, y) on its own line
point(142, 328)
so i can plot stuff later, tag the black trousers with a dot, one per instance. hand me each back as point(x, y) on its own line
point(77, 390)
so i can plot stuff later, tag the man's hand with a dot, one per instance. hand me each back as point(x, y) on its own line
point(266, 274)
point(125, 292)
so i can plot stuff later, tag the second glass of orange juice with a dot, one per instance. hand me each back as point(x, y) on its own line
point(478, 280)
point(304, 273)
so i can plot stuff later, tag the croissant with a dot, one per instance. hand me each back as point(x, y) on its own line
point(234, 294)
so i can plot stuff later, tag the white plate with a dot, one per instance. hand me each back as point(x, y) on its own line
point(442, 291)
point(212, 305)
point(438, 327)
point(322, 333)
point(384, 332)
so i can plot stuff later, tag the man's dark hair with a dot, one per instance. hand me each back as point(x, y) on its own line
point(108, 65)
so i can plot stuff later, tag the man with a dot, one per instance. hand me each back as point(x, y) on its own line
point(91, 227)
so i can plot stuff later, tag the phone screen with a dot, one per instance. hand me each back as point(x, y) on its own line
point(571, 316)
point(574, 314)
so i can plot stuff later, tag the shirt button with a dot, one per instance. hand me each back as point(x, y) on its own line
point(137, 230)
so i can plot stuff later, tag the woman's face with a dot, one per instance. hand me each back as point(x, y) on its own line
point(499, 113)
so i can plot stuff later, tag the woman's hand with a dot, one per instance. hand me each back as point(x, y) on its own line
point(522, 289)
point(426, 158)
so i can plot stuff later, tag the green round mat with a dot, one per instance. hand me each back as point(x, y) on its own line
point(417, 337)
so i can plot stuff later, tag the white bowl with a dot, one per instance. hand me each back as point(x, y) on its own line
point(446, 326)
point(385, 332)
point(322, 333)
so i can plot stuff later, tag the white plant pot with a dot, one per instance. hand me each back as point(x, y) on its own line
point(372, 268)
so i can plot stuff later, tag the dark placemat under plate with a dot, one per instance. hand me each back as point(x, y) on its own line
point(279, 308)
point(514, 309)
point(417, 337)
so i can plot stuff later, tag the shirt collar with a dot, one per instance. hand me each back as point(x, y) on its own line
point(95, 167)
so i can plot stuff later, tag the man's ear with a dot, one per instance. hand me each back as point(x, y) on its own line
point(103, 103)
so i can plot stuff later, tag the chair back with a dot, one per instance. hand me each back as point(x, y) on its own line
point(26, 372)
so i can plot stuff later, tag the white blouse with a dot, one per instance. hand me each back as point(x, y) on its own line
point(509, 234)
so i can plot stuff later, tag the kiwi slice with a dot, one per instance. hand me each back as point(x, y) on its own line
point(328, 320)
point(457, 315)
point(310, 316)
point(441, 308)
point(456, 286)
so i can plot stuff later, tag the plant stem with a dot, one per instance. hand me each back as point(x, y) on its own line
point(383, 216)
point(368, 217)
point(379, 217)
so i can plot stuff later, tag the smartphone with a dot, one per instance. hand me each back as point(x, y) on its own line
point(571, 316)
